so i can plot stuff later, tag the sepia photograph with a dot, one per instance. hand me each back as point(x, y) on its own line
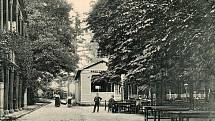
point(107, 60)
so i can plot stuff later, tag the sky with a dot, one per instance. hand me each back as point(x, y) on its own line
point(80, 6)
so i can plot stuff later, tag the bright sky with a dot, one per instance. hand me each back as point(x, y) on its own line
point(80, 6)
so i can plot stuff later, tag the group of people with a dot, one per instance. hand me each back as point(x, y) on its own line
point(111, 103)
point(97, 100)
point(57, 99)
point(58, 102)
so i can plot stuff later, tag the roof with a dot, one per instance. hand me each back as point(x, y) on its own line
point(91, 65)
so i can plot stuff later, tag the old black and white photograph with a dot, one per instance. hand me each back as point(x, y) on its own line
point(107, 60)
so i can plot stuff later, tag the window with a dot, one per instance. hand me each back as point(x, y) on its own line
point(104, 84)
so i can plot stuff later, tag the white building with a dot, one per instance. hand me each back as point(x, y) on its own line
point(85, 88)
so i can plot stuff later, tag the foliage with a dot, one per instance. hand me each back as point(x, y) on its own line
point(154, 40)
point(53, 40)
point(20, 45)
point(49, 46)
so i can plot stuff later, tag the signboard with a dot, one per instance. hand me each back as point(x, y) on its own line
point(97, 87)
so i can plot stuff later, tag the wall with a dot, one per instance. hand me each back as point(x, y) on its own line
point(85, 86)
point(78, 91)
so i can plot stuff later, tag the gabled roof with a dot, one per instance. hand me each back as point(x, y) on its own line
point(87, 67)
point(91, 65)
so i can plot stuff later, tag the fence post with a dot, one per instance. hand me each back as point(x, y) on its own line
point(105, 105)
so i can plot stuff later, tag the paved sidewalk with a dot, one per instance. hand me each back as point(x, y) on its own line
point(24, 111)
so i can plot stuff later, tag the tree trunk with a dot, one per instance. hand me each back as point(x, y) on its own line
point(158, 93)
point(191, 95)
point(179, 90)
point(206, 91)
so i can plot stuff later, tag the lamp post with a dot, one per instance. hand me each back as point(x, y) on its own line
point(186, 90)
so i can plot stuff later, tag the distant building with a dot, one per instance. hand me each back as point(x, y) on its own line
point(86, 85)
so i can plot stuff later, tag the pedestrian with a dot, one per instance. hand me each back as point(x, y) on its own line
point(138, 103)
point(57, 100)
point(97, 100)
point(69, 101)
point(111, 106)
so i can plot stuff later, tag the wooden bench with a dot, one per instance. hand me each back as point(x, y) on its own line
point(181, 115)
point(158, 110)
point(124, 106)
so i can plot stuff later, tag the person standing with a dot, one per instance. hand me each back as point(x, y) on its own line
point(111, 106)
point(57, 99)
point(97, 100)
point(138, 103)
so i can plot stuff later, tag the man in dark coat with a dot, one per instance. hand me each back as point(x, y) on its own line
point(97, 100)
point(111, 106)
point(57, 99)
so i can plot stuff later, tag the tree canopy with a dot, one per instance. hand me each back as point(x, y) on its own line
point(52, 37)
point(154, 40)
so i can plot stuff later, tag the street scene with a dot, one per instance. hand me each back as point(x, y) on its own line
point(76, 113)
point(107, 60)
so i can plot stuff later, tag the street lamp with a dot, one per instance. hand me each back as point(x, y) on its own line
point(186, 90)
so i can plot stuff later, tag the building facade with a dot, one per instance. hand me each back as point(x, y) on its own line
point(12, 19)
point(86, 85)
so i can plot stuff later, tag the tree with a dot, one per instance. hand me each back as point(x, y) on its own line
point(156, 41)
point(52, 39)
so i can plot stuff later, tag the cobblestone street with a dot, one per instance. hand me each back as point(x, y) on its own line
point(77, 113)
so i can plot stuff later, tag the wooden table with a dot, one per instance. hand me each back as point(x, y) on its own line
point(145, 102)
point(123, 105)
point(158, 109)
point(181, 115)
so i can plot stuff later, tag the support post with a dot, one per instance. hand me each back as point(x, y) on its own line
point(131, 90)
point(1, 92)
point(11, 15)
point(122, 88)
point(17, 93)
point(128, 91)
point(20, 95)
point(68, 84)
point(7, 16)
point(25, 98)
point(6, 91)
point(17, 15)
point(1, 99)
point(11, 90)
point(105, 105)
point(21, 25)
point(2, 15)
